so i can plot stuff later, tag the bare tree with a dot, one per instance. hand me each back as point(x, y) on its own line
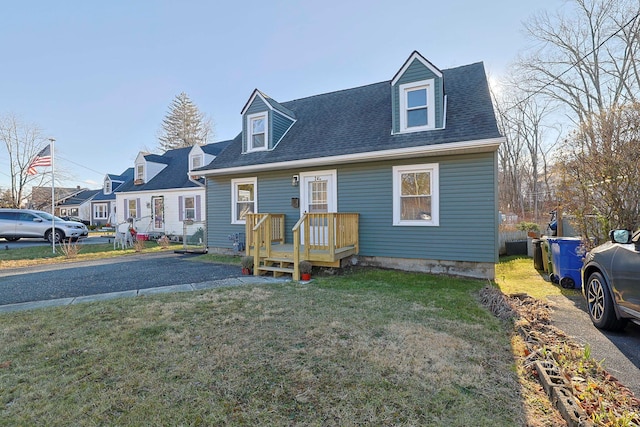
point(22, 142)
point(184, 125)
point(586, 59)
point(6, 199)
point(523, 157)
point(600, 172)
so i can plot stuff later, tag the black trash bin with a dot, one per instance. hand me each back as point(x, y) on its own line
point(538, 264)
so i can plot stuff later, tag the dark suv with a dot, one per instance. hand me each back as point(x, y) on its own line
point(611, 281)
point(18, 223)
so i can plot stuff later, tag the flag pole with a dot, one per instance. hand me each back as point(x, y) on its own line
point(53, 192)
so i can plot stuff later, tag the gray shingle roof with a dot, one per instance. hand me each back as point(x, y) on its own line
point(172, 176)
point(175, 174)
point(80, 198)
point(117, 182)
point(358, 120)
point(215, 148)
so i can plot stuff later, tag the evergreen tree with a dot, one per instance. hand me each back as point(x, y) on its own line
point(184, 125)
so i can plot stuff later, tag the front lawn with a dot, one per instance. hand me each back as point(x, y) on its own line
point(367, 348)
point(35, 255)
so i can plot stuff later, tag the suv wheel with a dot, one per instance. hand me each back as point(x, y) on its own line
point(59, 236)
point(600, 304)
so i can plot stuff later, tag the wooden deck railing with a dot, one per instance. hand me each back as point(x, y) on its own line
point(258, 227)
point(328, 232)
point(324, 231)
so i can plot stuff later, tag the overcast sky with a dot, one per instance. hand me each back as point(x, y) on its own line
point(99, 76)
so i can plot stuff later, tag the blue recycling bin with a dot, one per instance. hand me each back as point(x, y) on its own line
point(566, 254)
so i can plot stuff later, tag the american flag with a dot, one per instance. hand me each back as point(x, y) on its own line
point(43, 158)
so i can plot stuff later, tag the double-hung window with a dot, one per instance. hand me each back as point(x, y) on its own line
point(100, 211)
point(107, 186)
point(417, 111)
point(258, 127)
point(416, 195)
point(196, 162)
point(140, 172)
point(190, 208)
point(244, 199)
point(132, 208)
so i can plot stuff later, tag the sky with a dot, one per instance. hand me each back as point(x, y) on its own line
point(99, 77)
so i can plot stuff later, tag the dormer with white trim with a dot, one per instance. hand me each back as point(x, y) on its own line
point(417, 96)
point(264, 123)
point(107, 186)
point(198, 158)
point(147, 166)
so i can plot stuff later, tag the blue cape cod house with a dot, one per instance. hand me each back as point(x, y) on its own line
point(400, 174)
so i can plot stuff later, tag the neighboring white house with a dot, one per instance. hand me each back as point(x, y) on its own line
point(77, 204)
point(103, 205)
point(161, 195)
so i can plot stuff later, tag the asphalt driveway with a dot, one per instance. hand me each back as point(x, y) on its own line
point(103, 276)
point(618, 351)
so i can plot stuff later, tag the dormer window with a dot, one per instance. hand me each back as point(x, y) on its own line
point(258, 127)
point(196, 162)
point(417, 110)
point(107, 186)
point(139, 174)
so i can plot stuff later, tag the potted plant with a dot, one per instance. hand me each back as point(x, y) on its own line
point(305, 270)
point(247, 264)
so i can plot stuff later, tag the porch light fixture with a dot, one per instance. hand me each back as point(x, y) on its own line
point(294, 180)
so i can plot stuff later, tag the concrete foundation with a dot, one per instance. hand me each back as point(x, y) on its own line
point(476, 270)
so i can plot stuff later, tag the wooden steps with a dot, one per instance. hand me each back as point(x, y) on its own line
point(277, 266)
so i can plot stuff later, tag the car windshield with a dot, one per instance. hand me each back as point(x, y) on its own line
point(48, 216)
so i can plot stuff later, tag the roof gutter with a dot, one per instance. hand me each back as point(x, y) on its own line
point(466, 147)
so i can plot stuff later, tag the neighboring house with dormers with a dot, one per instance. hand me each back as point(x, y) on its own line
point(402, 173)
point(161, 194)
point(103, 205)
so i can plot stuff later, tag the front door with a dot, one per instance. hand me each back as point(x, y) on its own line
point(157, 204)
point(318, 194)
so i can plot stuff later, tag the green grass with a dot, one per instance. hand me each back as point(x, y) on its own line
point(516, 274)
point(369, 347)
point(24, 257)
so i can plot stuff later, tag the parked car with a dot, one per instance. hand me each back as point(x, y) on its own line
point(76, 219)
point(611, 281)
point(18, 223)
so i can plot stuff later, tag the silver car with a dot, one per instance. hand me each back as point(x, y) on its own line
point(18, 223)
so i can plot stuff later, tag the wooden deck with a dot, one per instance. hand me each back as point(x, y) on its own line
point(330, 237)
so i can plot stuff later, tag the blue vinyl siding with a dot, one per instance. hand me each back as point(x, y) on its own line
point(468, 209)
point(274, 195)
point(279, 126)
point(417, 72)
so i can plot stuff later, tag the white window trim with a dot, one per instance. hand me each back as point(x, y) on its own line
point(250, 118)
point(234, 201)
point(184, 214)
point(193, 158)
point(129, 210)
point(431, 111)
point(139, 168)
point(433, 168)
point(105, 211)
point(107, 186)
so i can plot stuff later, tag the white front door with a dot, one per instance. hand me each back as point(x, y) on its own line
point(318, 194)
